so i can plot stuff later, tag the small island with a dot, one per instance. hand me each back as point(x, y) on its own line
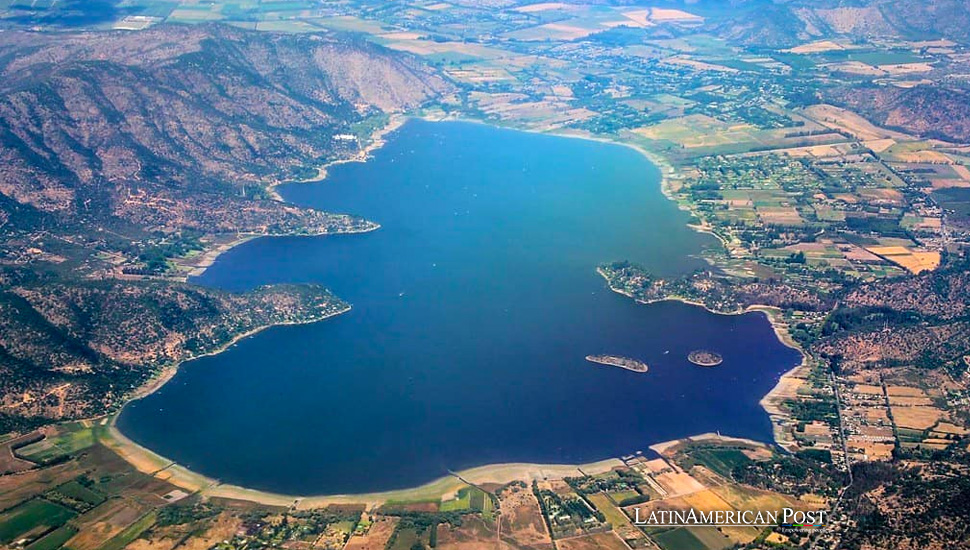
point(704, 358)
point(617, 361)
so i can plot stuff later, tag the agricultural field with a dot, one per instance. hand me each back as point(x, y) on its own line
point(474, 533)
point(53, 540)
point(521, 517)
point(690, 537)
point(113, 518)
point(614, 516)
point(130, 533)
point(617, 519)
point(32, 520)
point(9, 462)
point(404, 538)
point(748, 498)
point(76, 494)
point(720, 460)
point(376, 537)
point(713, 465)
point(467, 498)
point(598, 541)
point(107, 502)
point(69, 439)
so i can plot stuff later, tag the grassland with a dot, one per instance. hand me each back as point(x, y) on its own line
point(614, 516)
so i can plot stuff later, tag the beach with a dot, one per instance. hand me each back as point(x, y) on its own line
point(158, 466)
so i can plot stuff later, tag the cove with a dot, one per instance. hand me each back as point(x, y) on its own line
point(474, 307)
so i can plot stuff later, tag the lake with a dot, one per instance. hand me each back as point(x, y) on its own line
point(474, 307)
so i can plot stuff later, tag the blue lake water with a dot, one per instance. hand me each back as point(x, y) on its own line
point(474, 307)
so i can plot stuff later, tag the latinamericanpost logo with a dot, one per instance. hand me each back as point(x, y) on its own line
point(786, 519)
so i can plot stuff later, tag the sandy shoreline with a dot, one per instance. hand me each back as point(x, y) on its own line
point(209, 256)
point(151, 463)
point(154, 464)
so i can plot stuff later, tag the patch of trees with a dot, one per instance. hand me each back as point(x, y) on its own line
point(867, 318)
point(818, 455)
point(805, 410)
point(630, 501)
point(180, 514)
point(790, 474)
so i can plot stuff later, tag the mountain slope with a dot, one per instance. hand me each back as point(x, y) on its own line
point(933, 111)
point(91, 116)
point(120, 150)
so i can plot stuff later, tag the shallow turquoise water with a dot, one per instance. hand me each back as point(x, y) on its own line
point(474, 307)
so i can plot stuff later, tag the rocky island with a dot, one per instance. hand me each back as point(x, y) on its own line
point(704, 358)
point(617, 361)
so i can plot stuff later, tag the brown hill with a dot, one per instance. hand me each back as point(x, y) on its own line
point(76, 350)
point(929, 111)
point(131, 145)
point(91, 118)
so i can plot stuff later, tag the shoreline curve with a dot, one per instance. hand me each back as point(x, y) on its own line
point(149, 462)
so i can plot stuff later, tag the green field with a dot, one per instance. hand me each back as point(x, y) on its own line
point(468, 498)
point(346, 527)
point(955, 199)
point(73, 438)
point(74, 490)
point(53, 540)
point(613, 515)
point(679, 539)
point(478, 499)
point(721, 461)
point(130, 533)
point(874, 57)
point(34, 516)
point(710, 537)
point(462, 502)
point(403, 539)
point(620, 496)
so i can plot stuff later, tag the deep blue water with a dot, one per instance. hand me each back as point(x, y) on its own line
point(473, 309)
